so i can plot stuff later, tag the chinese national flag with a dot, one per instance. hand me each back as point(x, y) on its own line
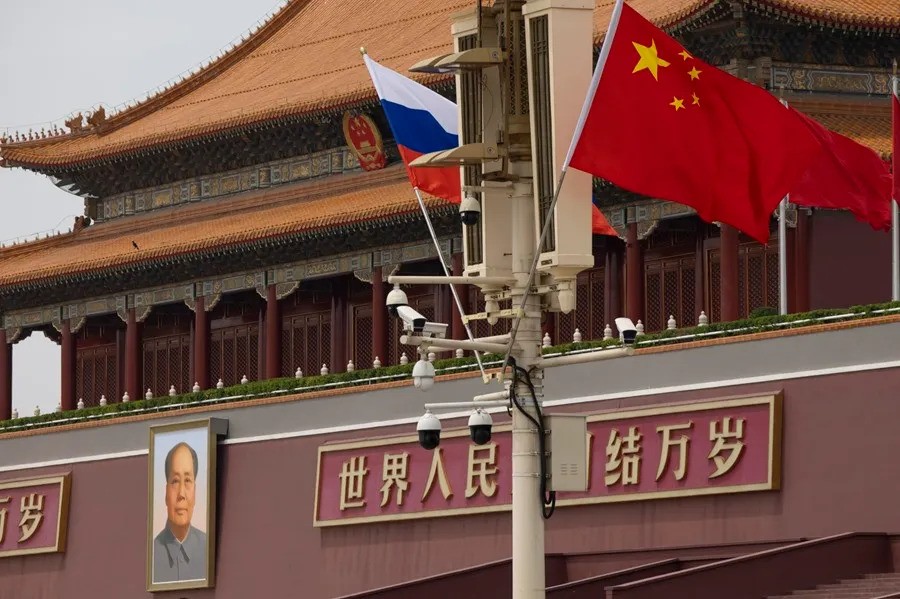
point(661, 123)
point(847, 175)
point(599, 224)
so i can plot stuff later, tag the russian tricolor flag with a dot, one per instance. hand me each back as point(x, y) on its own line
point(423, 121)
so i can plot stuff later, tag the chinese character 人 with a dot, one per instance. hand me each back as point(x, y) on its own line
point(393, 474)
point(437, 471)
point(480, 468)
point(623, 457)
point(727, 439)
point(32, 515)
point(668, 443)
point(353, 479)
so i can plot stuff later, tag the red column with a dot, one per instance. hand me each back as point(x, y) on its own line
point(457, 330)
point(338, 325)
point(379, 318)
point(201, 343)
point(273, 334)
point(5, 377)
point(801, 261)
point(728, 273)
point(612, 282)
point(634, 274)
point(133, 350)
point(67, 378)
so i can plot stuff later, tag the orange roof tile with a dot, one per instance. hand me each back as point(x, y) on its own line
point(306, 59)
point(192, 228)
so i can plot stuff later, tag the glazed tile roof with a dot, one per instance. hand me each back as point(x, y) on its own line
point(306, 59)
point(193, 228)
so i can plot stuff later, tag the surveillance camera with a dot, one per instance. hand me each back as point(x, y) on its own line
point(423, 374)
point(429, 429)
point(469, 210)
point(480, 427)
point(412, 320)
point(627, 330)
point(396, 297)
point(435, 329)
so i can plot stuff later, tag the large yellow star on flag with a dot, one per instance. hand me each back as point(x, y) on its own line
point(650, 59)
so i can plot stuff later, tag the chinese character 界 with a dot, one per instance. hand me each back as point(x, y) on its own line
point(3, 519)
point(32, 515)
point(437, 470)
point(668, 443)
point(481, 468)
point(393, 474)
point(623, 457)
point(728, 439)
point(353, 478)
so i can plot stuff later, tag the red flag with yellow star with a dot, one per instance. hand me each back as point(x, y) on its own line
point(664, 124)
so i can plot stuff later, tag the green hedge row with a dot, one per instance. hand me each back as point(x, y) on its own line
point(286, 385)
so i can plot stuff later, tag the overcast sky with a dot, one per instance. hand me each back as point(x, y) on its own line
point(58, 57)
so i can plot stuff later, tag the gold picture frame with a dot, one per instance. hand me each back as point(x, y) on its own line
point(181, 498)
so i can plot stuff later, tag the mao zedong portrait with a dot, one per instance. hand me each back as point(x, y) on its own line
point(179, 550)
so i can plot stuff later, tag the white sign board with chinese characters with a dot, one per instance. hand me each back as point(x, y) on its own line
point(34, 515)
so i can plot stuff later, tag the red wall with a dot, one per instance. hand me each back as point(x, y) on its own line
point(838, 475)
point(850, 263)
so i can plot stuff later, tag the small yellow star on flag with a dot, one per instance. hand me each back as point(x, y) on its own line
point(684, 54)
point(696, 100)
point(678, 103)
point(650, 59)
point(694, 73)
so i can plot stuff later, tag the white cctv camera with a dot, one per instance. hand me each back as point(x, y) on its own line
point(627, 330)
point(429, 429)
point(412, 320)
point(396, 297)
point(480, 424)
point(423, 374)
point(469, 210)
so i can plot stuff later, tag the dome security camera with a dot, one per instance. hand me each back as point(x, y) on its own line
point(423, 374)
point(429, 429)
point(469, 210)
point(396, 298)
point(480, 424)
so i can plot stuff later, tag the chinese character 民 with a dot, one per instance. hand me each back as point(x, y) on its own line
point(668, 443)
point(727, 439)
point(32, 515)
point(437, 470)
point(353, 478)
point(3, 519)
point(393, 474)
point(481, 468)
point(623, 457)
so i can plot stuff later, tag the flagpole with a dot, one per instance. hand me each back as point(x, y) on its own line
point(782, 256)
point(462, 313)
point(895, 212)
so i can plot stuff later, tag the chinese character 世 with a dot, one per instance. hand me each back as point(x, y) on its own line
point(393, 474)
point(353, 477)
point(437, 470)
point(623, 457)
point(32, 515)
point(3, 519)
point(728, 439)
point(480, 468)
point(668, 443)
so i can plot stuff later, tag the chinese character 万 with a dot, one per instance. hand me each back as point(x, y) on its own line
point(668, 443)
point(32, 515)
point(437, 470)
point(727, 439)
point(480, 468)
point(3, 518)
point(393, 474)
point(623, 457)
point(353, 478)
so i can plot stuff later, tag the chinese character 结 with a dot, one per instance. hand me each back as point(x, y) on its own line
point(623, 457)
